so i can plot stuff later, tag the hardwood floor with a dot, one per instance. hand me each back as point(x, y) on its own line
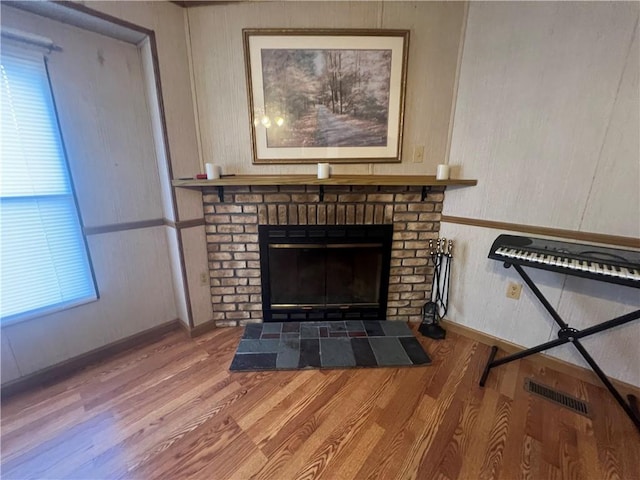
point(172, 410)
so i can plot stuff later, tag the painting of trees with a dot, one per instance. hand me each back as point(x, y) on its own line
point(357, 82)
point(326, 97)
point(290, 82)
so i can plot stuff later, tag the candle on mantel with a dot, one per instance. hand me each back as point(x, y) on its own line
point(213, 171)
point(442, 173)
point(323, 170)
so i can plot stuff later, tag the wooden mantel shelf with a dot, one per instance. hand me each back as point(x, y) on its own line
point(382, 180)
point(424, 181)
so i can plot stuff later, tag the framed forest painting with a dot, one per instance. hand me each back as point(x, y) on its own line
point(326, 95)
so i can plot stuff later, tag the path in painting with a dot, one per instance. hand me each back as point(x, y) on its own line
point(345, 131)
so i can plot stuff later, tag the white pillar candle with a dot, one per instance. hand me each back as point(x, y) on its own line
point(443, 172)
point(213, 171)
point(323, 170)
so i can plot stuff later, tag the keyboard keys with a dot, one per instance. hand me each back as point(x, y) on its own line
point(584, 260)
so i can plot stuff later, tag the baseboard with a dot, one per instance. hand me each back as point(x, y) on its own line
point(67, 367)
point(202, 328)
point(185, 328)
point(576, 371)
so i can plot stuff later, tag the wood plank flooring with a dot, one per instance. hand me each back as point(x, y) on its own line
point(172, 410)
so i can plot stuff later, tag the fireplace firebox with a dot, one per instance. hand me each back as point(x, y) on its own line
point(324, 272)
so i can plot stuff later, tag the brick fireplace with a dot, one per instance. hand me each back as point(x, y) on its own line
point(233, 248)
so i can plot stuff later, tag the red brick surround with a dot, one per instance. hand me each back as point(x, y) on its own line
point(232, 239)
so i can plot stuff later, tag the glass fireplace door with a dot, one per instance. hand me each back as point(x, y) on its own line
point(324, 272)
point(333, 275)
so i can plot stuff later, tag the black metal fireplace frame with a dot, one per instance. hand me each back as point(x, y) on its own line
point(329, 234)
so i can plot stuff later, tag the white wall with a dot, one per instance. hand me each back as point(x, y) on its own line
point(220, 85)
point(104, 117)
point(168, 22)
point(546, 119)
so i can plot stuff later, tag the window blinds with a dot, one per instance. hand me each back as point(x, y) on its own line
point(44, 264)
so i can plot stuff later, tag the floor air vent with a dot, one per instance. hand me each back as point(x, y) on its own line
point(567, 401)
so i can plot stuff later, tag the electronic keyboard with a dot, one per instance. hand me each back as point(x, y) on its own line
point(610, 265)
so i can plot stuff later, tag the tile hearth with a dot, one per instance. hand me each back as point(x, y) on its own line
point(343, 344)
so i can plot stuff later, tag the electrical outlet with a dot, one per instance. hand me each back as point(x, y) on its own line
point(514, 290)
point(204, 279)
point(418, 154)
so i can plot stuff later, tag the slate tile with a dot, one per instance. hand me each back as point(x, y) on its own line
point(323, 331)
point(289, 343)
point(337, 334)
point(336, 352)
point(309, 331)
point(396, 329)
point(357, 334)
point(373, 328)
point(254, 361)
point(317, 324)
point(259, 346)
point(354, 326)
point(290, 327)
point(271, 327)
point(337, 327)
point(271, 335)
point(363, 353)
point(289, 354)
point(309, 353)
point(252, 330)
point(389, 351)
point(414, 350)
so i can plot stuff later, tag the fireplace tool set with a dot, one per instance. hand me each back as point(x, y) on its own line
point(434, 310)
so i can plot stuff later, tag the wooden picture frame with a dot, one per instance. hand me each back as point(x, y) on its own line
point(326, 95)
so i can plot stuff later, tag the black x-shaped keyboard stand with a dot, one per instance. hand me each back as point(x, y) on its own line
point(567, 334)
